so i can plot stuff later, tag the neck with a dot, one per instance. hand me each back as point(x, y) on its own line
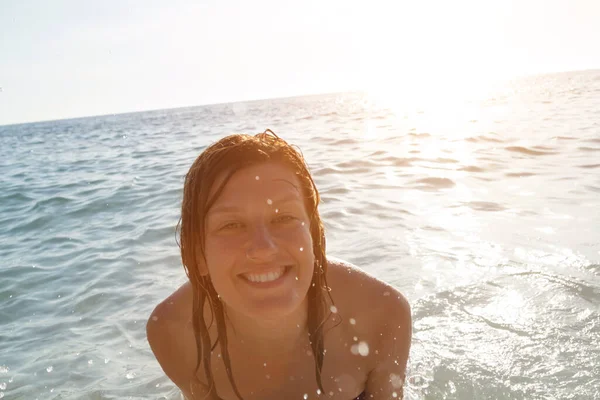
point(269, 338)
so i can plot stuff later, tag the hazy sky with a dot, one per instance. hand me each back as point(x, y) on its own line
point(62, 59)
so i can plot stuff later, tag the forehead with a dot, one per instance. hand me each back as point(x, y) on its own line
point(261, 182)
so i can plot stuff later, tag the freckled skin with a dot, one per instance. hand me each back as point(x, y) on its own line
point(367, 337)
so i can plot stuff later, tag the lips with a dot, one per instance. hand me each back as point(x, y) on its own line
point(266, 276)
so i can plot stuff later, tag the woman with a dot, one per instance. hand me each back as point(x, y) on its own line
point(265, 314)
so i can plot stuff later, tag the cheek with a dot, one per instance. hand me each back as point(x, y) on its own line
point(220, 249)
point(219, 243)
point(298, 235)
point(305, 245)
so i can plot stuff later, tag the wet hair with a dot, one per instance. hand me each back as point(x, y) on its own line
point(227, 156)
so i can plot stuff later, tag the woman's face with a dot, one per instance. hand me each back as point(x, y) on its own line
point(258, 246)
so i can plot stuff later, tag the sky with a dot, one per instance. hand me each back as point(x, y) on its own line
point(72, 58)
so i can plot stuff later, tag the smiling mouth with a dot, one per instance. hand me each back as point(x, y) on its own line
point(264, 277)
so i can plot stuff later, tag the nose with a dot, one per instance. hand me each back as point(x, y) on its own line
point(261, 246)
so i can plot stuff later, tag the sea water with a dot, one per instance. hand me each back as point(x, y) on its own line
point(483, 211)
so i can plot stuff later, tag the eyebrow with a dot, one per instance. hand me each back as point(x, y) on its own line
point(288, 198)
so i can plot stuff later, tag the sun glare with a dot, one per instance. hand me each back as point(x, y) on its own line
point(439, 64)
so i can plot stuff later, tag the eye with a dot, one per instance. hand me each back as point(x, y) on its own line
point(284, 219)
point(232, 225)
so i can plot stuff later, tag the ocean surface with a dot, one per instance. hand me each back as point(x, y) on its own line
point(483, 209)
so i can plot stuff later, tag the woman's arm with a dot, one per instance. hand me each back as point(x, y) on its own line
point(170, 344)
point(386, 380)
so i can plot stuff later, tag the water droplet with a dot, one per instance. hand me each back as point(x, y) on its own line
point(303, 224)
point(154, 318)
point(330, 393)
point(355, 338)
point(3, 386)
point(352, 321)
point(297, 278)
point(333, 309)
point(130, 375)
point(3, 369)
point(265, 364)
point(50, 368)
point(257, 177)
point(305, 396)
point(386, 293)
point(319, 392)
point(363, 349)
point(396, 381)
point(2, 395)
point(301, 248)
point(269, 201)
point(90, 362)
point(394, 394)
point(158, 384)
point(106, 360)
point(276, 210)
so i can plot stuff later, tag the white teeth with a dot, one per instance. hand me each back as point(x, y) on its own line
point(268, 277)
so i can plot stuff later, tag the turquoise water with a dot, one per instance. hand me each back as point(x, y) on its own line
point(484, 211)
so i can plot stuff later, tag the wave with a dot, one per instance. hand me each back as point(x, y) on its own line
point(585, 148)
point(589, 166)
point(434, 183)
point(564, 138)
point(483, 138)
point(519, 174)
point(472, 168)
point(525, 150)
point(485, 206)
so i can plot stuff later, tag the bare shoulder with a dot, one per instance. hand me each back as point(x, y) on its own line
point(360, 290)
point(177, 308)
point(170, 336)
point(383, 316)
point(374, 306)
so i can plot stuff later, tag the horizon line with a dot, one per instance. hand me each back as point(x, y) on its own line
point(179, 107)
point(356, 90)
